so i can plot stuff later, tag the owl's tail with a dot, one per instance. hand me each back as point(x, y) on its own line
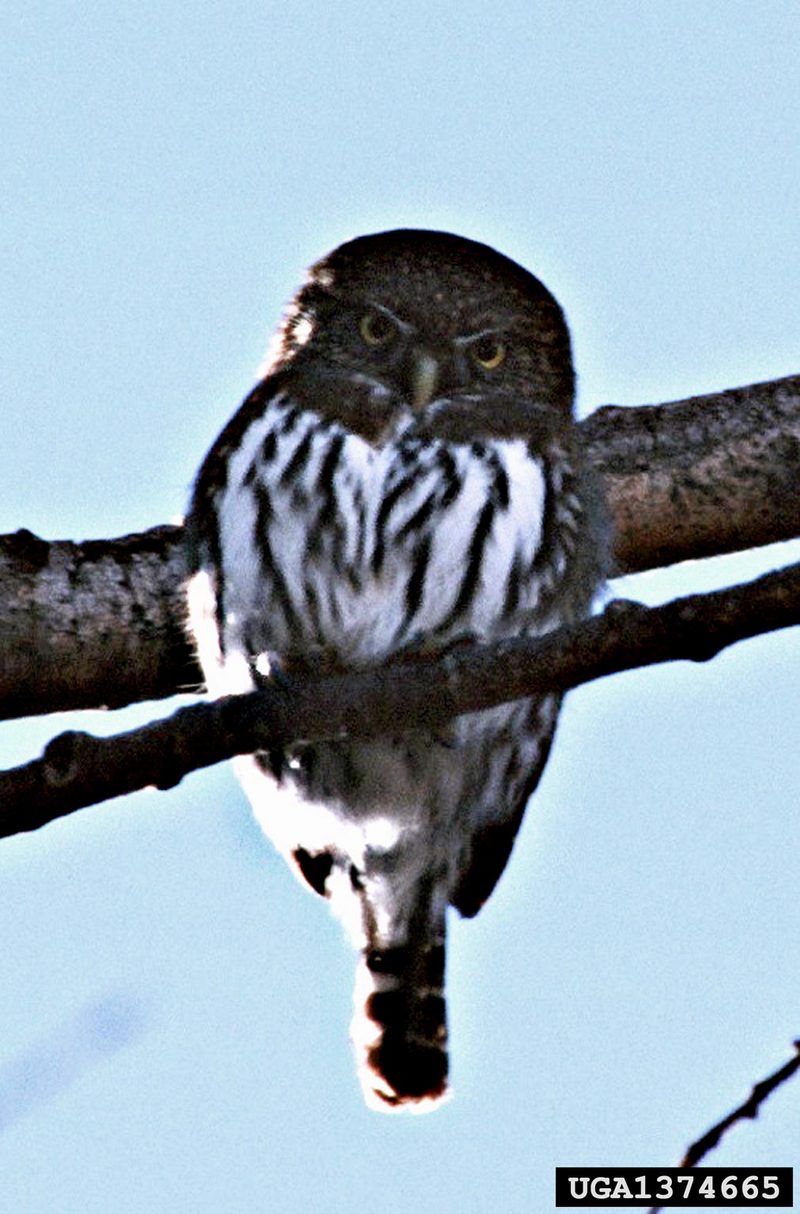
point(400, 1023)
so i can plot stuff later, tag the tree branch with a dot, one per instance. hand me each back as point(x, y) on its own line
point(748, 1109)
point(77, 770)
point(102, 623)
point(92, 625)
point(700, 477)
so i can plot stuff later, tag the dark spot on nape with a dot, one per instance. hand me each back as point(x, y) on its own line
point(315, 869)
point(355, 879)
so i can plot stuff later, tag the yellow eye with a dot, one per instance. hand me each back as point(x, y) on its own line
point(376, 329)
point(488, 352)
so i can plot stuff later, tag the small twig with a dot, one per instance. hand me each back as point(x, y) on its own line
point(748, 1109)
point(77, 769)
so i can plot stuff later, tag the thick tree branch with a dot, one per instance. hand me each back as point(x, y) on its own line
point(78, 770)
point(92, 625)
point(700, 477)
point(101, 623)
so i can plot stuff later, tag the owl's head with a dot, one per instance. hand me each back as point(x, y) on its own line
point(447, 326)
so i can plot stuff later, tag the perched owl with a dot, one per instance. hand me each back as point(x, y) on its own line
point(406, 474)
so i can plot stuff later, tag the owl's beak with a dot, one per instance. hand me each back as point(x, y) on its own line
point(424, 375)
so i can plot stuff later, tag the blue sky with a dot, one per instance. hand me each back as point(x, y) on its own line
point(174, 1009)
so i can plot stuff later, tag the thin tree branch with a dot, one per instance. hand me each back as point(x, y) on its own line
point(102, 623)
point(78, 770)
point(748, 1109)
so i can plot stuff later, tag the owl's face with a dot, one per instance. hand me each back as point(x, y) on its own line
point(444, 328)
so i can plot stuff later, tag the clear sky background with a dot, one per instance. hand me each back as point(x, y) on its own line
point(173, 1007)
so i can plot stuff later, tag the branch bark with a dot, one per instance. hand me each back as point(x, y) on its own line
point(101, 623)
point(77, 769)
point(700, 477)
point(92, 625)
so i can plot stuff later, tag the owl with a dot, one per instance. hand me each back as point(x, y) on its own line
point(406, 476)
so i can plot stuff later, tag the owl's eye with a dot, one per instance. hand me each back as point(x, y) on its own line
point(376, 329)
point(488, 352)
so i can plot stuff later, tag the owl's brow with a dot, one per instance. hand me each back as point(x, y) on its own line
point(379, 307)
point(366, 301)
point(467, 339)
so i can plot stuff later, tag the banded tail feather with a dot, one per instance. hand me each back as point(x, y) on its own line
point(400, 1024)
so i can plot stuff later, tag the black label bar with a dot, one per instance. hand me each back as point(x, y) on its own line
point(674, 1188)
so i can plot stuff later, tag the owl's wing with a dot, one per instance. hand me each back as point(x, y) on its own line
point(492, 842)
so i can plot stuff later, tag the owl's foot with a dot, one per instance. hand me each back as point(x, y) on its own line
point(285, 669)
point(428, 648)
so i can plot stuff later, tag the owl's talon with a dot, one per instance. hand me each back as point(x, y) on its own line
point(429, 648)
point(286, 669)
point(463, 640)
point(271, 673)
